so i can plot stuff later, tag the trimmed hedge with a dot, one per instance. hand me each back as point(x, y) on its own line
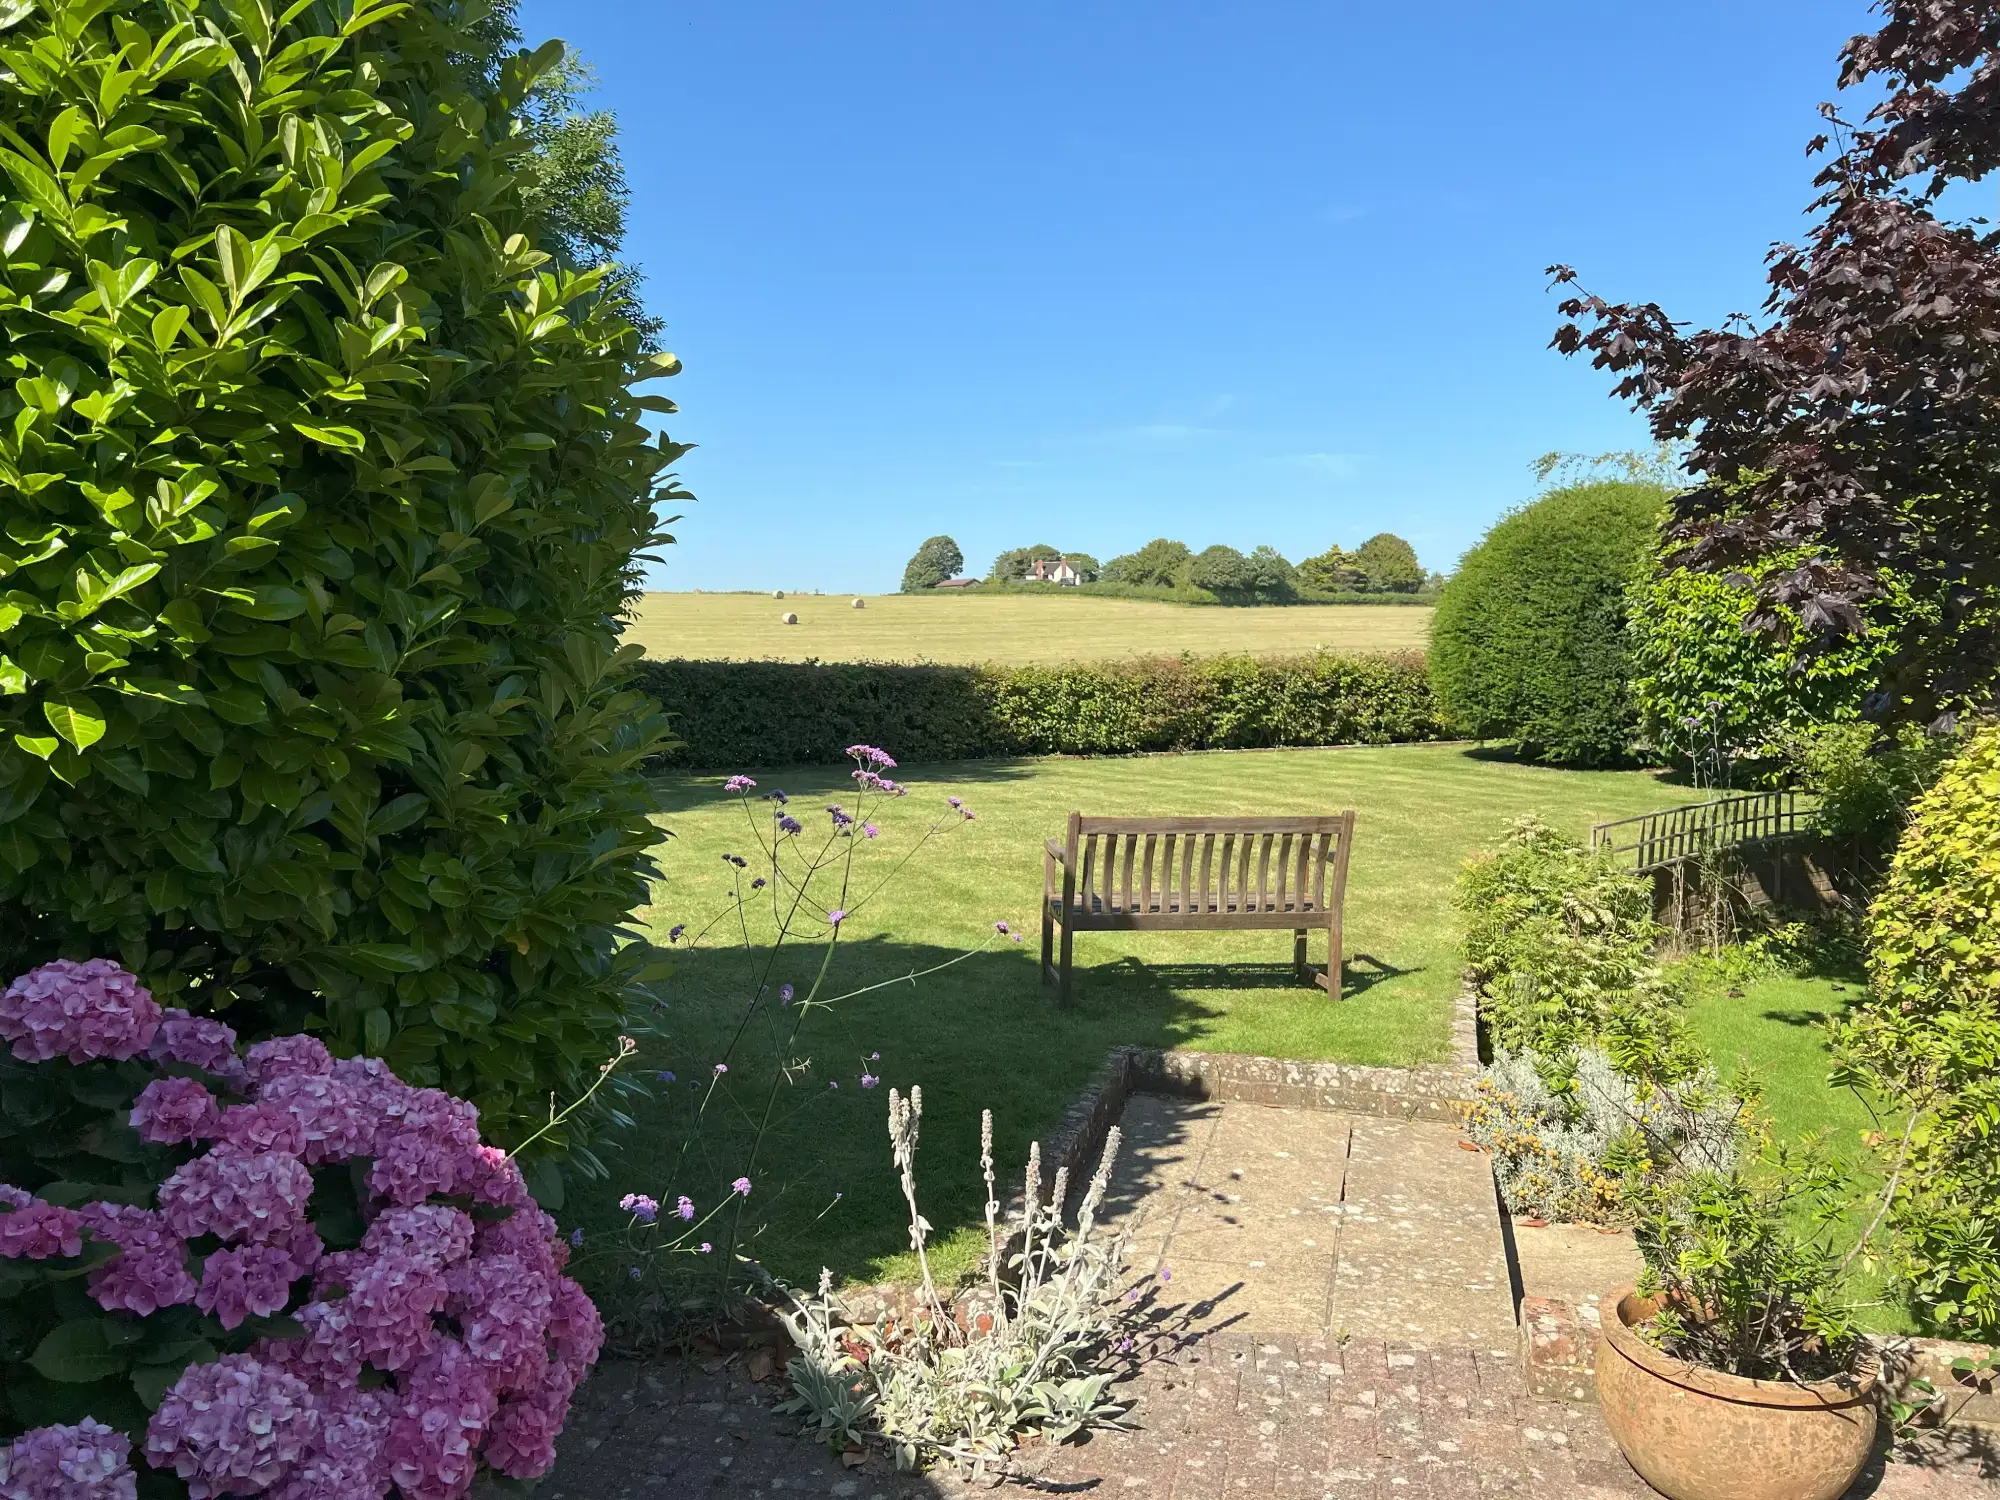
point(735, 714)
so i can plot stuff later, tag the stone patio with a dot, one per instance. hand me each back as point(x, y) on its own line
point(1335, 1318)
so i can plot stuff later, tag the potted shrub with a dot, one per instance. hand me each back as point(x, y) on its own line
point(1732, 1370)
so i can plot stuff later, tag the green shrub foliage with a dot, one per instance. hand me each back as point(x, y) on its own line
point(1388, 564)
point(1559, 941)
point(1161, 563)
point(728, 715)
point(1710, 693)
point(1530, 643)
point(324, 489)
point(934, 562)
point(1928, 1036)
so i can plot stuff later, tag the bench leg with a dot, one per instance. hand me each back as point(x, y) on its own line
point(1068, 941)
point(1330, 980)
point(1299, 965)
point(1048, 939)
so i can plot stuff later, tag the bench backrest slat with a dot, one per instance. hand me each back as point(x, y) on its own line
point(1251, 866)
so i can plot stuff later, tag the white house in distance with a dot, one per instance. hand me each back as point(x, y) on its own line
point(1054, 570)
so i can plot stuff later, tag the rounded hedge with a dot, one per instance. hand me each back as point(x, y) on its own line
point(326, 490)
point(1929, 1037)
point(1530, 640)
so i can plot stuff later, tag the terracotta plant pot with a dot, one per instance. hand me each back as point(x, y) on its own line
point(1698, 1434)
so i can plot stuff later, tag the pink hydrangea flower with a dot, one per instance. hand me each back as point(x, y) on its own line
point(33, 1230)
point(447, 1404)
point(530, 1234)
point(255, 1280)
point(522, 1440)
point(434, 1233)
point(328, 1356)
point(81, 1011)
point(334, 1117)
point(150, 1271)
point(287, 1054)
point(502, 1305)
point(432, 1147)
point(494, 1177)
point(263, 1127)
point(346, 1460)
point(575, 1329)
point(232, 1427)
point(198, 1041)
point(237, 1194)
point(392, 1297)
point(172, 1111)
point(88, 1461)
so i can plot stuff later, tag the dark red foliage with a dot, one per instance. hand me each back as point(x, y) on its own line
point(1859, 418)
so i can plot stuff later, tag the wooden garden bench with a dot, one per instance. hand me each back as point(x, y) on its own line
point(1197, 875)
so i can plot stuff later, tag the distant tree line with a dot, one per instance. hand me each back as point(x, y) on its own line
point(1384, 564)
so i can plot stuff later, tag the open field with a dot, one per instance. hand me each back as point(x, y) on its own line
point(985, 1032)
point(1013, 629)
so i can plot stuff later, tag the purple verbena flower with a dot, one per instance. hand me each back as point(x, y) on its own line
point(841, 818)
point(640, 1207)
point(576, 1239)
point(705, 1247)
point(1002, 928)
point(685, 1208)
point(868, 1079)
point(721, 1068)
point(869, 830)
point(741, 1185)
point(789, 824)
point(774, 795)
point(674, 933)
point(666, 1077)
point(955, 801)
point(738, 784)
point(757, 884)
point(785, 993)
point(835, 917)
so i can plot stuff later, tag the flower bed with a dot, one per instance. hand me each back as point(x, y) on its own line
point(267, 1273)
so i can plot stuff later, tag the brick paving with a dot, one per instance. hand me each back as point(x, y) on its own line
point(1338, 1324)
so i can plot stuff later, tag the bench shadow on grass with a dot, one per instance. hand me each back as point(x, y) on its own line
point(983, 1033)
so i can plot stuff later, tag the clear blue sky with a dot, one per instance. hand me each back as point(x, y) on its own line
point(1085, 273)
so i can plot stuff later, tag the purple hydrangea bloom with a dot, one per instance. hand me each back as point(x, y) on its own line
point(81, 1011)
point(254, 1280)
point(435, 1233)
point(502, 1305)
point(34, 1230)
point(738, 784)
point(150, 1271)
point(175, 1111)
point(237, 1194)
point(198, 1041)
point(435, 1146)
point(263, 1127)
point(640, 1207)
point(232, 1427)
point(88, 1461)
point(345, 1459)
point(287, 1054)
point(392, 1296)
point(522, 1440)
point(447, 1404)
point(334, 1117)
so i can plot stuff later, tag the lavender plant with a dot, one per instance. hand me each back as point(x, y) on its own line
point(964, 1391)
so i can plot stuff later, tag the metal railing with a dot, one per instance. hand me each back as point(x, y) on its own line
point(1675, 833)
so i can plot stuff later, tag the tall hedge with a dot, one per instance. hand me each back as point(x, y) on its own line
point(323, 493)
point(729, 715)
point(1529, 642)
point(1928, 1036)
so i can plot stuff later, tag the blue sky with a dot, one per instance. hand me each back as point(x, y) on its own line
point(1085, 273)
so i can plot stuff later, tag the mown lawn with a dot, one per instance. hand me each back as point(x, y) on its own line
point(1013, 629)
point(1775, 1030)
point(984, 1032)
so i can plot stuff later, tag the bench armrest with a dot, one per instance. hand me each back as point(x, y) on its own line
point(1056, 851)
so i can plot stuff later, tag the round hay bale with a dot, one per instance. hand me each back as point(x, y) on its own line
point(777, 593)
point(860, 603)
point(788, 618)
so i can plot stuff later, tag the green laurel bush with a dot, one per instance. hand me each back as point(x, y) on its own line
point(727, 715)
point(1703, 685)
point(1530, 639)
point(1928, 1037)
point(324, 493)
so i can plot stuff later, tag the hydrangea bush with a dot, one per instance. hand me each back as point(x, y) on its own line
point(267, 1272)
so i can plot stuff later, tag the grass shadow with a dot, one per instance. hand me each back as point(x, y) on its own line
point(685, 791)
